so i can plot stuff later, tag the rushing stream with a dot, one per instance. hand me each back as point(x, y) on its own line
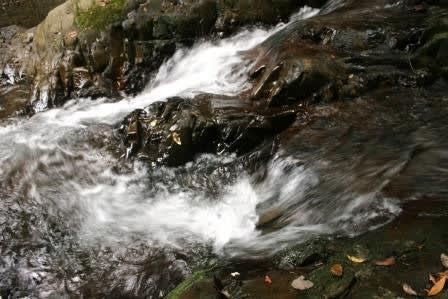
point(71, 205)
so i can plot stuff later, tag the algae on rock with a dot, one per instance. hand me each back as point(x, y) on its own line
point(96, 16)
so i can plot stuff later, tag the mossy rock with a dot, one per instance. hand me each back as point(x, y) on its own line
point(98, 16)
point(327, 285)
point(302, 255)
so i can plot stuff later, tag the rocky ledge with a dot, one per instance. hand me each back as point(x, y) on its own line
point(103, 48)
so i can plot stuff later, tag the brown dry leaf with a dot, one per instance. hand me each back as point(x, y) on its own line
point(356, 259)
point(387, 262)
point(409, 290)
point(176, 138)
point(444, 260)
point(301, 284)
point(267, 279)
point(337, 270)
point(437, 287)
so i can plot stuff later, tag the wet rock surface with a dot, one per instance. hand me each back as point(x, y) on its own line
point(315, 61)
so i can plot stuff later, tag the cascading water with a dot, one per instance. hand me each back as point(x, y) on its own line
point(58, 173)
point(120, 204)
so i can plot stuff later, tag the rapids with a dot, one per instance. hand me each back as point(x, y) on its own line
point(53, 158)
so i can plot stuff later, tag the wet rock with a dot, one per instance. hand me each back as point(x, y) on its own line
point(15, 48)
point(174, 132)
point(328, 57)
point(303, 255)
point(145, 58)
point(331, 57)
point(327, 286)
point(233, 14)
point(155, 272)
point(122, 42)
point(81, 78)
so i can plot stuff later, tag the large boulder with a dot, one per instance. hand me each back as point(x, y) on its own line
point(308, 62)
point(340, 56)
point(285, 76)
point(233, 14)
point(26, 13)
point(175, 131)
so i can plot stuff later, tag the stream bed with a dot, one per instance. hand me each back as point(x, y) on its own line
point(78, 219)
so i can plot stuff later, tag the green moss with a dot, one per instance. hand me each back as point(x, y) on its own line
point(99, 17)
point(187, 284)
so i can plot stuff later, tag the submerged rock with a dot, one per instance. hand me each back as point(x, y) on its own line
point(303, 255)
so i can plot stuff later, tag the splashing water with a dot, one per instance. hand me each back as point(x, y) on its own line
point(57, 160)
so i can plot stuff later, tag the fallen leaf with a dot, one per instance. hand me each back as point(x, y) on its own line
point(176, 138)
point(409, 290)
point(387, 262)
point(337, 270)
point(301, 284)
point(153, 123)
point(444, 259)
point(351, 76)
point(235, 274)
point(437, 287)
point(267, 279)
point(356, 259)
